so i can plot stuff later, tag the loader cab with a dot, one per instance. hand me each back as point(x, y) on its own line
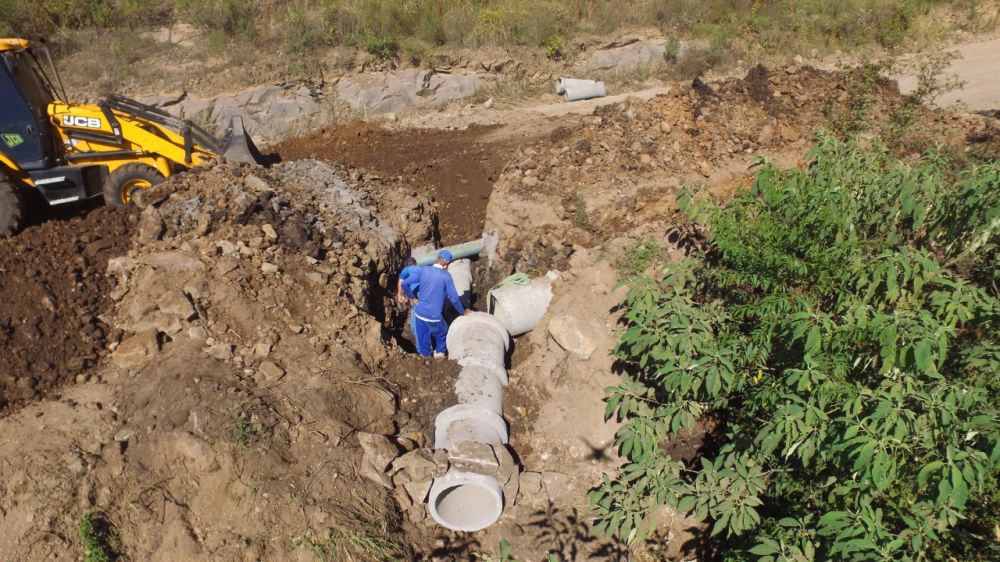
point(25, 134)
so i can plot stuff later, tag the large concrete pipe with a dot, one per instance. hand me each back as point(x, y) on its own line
point(460, 500)
point(520, 307)
point(465, 501)
point(461, 274)
point(585, 91)
point(563, 83)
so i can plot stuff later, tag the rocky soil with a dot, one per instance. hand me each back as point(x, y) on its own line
point(249, 325)
point(54, 302)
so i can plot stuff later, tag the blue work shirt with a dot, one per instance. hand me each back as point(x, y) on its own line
point(405, 276)
point(432, 285)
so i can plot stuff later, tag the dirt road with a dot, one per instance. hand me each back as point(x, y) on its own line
point(978, 66)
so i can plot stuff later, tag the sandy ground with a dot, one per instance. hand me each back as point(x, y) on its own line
point(978, 66)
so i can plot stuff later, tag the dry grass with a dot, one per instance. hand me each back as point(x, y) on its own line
point(384, 25)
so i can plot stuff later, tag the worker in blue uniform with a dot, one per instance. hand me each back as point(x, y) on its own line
point(432, 285)
point(410, 269)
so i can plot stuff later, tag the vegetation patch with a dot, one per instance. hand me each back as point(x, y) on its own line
point(842, 322)
point(97, 536)
point(758, 25)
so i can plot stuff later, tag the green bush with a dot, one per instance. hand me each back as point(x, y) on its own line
point(236, 18)
point(829, 325)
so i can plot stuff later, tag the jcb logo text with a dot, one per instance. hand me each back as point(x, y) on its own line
point(86, 122)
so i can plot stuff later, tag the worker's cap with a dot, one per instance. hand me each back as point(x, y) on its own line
point(445, 255)
point(410, 261)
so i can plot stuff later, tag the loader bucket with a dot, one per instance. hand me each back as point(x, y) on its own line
point(237, 146)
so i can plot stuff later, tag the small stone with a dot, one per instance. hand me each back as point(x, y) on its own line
point(507, 466)
point(255, 183)
point(197, 333)
point(529, 181)
point(416, 465)
point(197, 451)
point(296, 328)
point(226, 247)
point(268, 268)
point(531, 490)
point(137, 350)
point(173, 260)
point(269, 232)
point(574, 335)
point(124, 434)
point(150, 225)
point(175, 303)
point(379, 452)
point(225, 265)
point(221, 351)
point(418, 490)
point(317, 277)
point(666, 127)
point(262, 350)
point(271, 371)
point(704, 168)
point(488, 103)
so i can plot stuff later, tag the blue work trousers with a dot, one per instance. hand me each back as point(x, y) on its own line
point(425, 331)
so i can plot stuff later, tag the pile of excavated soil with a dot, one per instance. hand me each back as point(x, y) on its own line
point(250, 325)
point(54, 296)
point(621, 169)
point(458, 168)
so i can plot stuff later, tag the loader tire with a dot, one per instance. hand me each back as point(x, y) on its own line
point(122, 184)
point(11, 208)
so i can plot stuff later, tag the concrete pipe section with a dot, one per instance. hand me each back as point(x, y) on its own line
point(461, 274)
point(459, 500)
point(520, 307)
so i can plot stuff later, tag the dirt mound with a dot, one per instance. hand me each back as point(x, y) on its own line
point(458, 168)
point(252, 319)
point(620, 169)
point(54, 296)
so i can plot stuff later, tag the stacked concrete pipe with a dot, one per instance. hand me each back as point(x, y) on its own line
point(460, 500)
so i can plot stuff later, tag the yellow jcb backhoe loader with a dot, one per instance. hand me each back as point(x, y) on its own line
point(69, 152)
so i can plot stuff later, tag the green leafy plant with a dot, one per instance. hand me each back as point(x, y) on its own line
point(246, 427)
point(383, 47)
point(830, 326)
point(97, 536)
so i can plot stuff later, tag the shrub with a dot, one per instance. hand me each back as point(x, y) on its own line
point(853, 365)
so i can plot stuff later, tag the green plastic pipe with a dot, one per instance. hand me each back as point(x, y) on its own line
point(458, 251)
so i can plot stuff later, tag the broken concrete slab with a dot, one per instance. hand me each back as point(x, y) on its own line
point(471, 456)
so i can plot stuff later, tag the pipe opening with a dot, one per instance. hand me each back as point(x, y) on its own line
point(467, 507)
